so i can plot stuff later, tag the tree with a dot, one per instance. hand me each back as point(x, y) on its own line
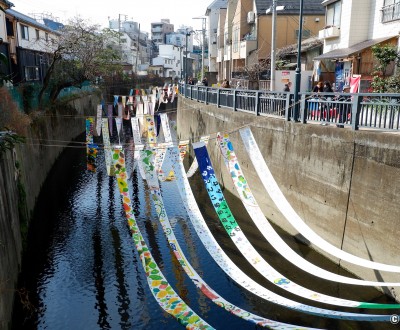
point(82, 52)
point(385, 55)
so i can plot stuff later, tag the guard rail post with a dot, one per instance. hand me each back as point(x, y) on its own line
point(218, 97)
point(257, 105)
point(355, 112)
point(303, 114)
point(234, 100)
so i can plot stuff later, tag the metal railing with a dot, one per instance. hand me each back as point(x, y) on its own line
point(366, 110)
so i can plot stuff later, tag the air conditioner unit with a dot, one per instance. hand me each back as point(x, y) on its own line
point(251, 17)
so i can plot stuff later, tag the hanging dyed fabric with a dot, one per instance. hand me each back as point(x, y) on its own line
point(150, 129)
point(118, 122)
point(193, 168)
point(107, 147)
point(291, 215)
point(91, 148)
point(161, 290)
point(116, 97)
point(232, 228)
point(98, 119)
point(110, 118)
point(137, 139)
point(273, 237)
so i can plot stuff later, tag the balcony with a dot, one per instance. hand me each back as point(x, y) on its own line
point(391, 12)
point(329, 32)
point(246, 46)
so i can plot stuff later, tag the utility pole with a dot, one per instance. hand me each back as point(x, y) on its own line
point(137, 49)
point(298, 69)
point(203, 32)
point(273, 47)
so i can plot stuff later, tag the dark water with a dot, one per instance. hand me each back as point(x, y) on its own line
point(81, 270)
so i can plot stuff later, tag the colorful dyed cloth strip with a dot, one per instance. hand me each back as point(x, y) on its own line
point(162, 291)
point(217, 253)
point(251, 205)
point(98, 119)
point(290, 214)
point(193, 168)
point(91, 157)
point(107, 147)
point(149, 127)
point(116, 100)
point(137, 139)
point(166, 128)
point(147, 157)
point(89, 124)
point(110, 118)
point(118, 122)
point(232, 228)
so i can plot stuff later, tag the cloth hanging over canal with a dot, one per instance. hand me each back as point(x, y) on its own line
point(230, 268)
point(294, 219)
point(147, 158)
point(262, 224)
point(107, 147)
point(162, 291)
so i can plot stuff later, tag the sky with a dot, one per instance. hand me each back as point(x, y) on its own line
point(180, 12)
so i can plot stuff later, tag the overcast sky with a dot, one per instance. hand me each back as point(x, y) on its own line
point(180, 12)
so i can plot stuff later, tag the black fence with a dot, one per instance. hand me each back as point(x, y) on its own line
point(359, 110)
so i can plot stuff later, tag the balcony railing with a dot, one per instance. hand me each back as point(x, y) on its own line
point(355, 111)
point(391, 12)
point(329, 32)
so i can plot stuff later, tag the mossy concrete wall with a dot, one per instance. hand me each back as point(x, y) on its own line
point(23, 171)
point(345, 184)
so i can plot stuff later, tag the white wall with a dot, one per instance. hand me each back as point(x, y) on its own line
point(3, 31)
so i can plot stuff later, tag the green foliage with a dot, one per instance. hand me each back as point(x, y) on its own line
point(8, 140)
point(385, 55)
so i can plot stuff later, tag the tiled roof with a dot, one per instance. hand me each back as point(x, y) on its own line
point(310, 7)
point(216, 4)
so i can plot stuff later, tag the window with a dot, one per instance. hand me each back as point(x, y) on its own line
point(24, 32)
point(306, 34)
point(236, 40)
point(31, 73)
point(333, 13)
point(390, 10)
point(37, 34)
point(46, 36)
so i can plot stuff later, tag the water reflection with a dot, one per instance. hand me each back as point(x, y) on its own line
point(81, 269)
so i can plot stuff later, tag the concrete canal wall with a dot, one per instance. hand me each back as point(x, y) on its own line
point(345, 184)
point(23, 171)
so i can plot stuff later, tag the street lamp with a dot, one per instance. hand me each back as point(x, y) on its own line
point(298, 70)
point(187, 34)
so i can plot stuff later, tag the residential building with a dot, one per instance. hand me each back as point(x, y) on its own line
point(30, 46)
point(245, 37)
point(170, 58)
point(159, 30)
point(215, 11)
point(134, 44)
point(4, 48)
point(351, 29)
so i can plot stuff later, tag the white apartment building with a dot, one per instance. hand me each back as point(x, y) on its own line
point(170, 58)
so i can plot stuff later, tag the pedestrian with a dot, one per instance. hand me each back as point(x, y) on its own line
point(238, 85)
point(318, 88)
point(205, 81)
point(287, 87)
point(327, 87)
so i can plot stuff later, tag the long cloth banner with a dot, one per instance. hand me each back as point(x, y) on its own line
point(290, 214)
point(137, 139)
point(262, 224)
point(91, 147)
point(162, 291)
point(107, 147)
point(147, 157)
point(193, 168)
point(230, 268)
point(232, 228)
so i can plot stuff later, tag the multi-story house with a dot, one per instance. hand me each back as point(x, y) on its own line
point(5, 69)
point(170, 58)
point(246, 35)
point(133, 43)
point(159, 30)
point(30, 45)
point(351, 28)
point(215, 12)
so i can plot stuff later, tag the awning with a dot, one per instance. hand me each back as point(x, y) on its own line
point(346, 52)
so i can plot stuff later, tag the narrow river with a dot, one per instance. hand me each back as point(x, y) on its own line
point(81, 269)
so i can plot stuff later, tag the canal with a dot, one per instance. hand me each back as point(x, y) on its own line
point(81, 270)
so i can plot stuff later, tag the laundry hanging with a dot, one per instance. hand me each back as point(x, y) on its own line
point(294, 219)
point(107, 147)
